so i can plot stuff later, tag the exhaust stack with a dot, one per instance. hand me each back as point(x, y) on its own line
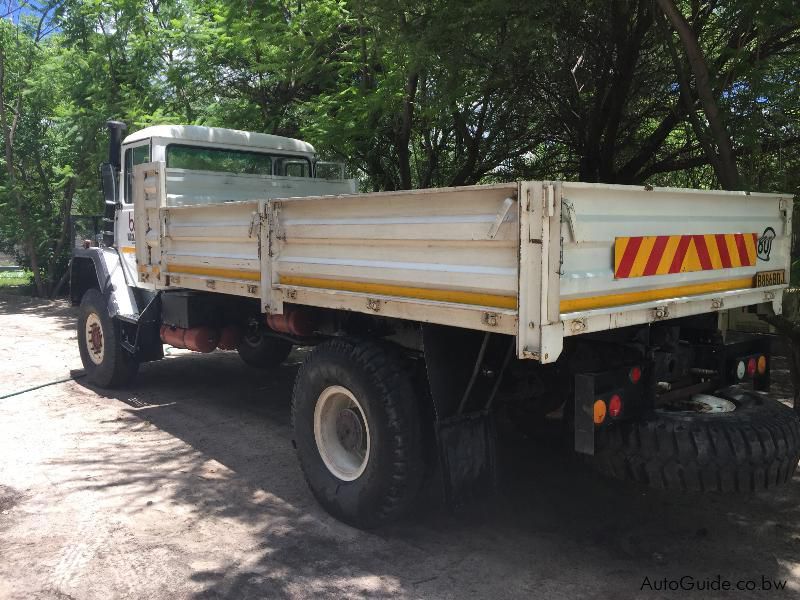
point(116, 131)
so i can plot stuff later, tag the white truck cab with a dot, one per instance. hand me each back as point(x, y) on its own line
point(235, 165)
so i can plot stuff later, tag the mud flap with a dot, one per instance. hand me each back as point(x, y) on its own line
point(584, 413)
point(462, 391)
point(467, 455)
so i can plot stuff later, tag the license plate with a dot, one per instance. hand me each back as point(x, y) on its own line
point(765, 278)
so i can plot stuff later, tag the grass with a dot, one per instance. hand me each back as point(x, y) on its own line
point(12, 279)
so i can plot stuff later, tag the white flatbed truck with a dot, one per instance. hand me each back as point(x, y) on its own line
point(429, 310)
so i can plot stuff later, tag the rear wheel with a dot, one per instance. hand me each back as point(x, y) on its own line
point(733, 441)
point(106, 362)
point(357, 432)
point(263, 351)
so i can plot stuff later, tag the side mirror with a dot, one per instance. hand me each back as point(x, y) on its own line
point(109, 177)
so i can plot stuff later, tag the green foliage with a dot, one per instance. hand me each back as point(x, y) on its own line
point(14, 278)
point(407, 93)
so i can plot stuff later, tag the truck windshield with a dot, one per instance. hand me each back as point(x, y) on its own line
point(235, 161)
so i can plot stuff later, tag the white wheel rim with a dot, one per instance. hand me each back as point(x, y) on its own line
point(341, 432)
point(713, 404)
point(95, 342)
point(701, 403)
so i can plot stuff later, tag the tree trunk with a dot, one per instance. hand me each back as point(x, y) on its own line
point(705, 140)
point(403, 132)
point(57, 288)
point(726, 168)
point(66, 210)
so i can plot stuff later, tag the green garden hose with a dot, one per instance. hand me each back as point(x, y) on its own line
point(77, 375)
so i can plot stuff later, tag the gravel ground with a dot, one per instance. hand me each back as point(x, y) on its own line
point(186, 486)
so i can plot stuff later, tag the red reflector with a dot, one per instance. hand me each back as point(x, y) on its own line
point(615, 406)
point(751, 367)
point(635, 374)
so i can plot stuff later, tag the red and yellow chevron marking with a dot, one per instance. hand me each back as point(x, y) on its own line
point(665, 254)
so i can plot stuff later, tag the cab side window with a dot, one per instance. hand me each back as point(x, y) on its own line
point(219, 160)
point(292, 167)
point(134, 156)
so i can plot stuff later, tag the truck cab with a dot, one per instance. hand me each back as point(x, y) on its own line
point(238, 166)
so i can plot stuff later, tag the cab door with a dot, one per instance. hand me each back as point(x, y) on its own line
point(124, 233)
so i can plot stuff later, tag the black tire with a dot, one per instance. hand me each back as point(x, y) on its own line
point(395, 467)
point(116, 367)
point(264, 351)
point(755, 447)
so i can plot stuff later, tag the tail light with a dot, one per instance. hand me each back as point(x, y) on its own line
point(615, 406)
point(751, 367)
point(748, 367)
point(599, 412)
point(762, 365)
point(635, 375)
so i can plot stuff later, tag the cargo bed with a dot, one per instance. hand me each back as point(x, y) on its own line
point(538, 260)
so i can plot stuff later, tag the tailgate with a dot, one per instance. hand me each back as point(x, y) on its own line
point(631, 255)
point(625, 246)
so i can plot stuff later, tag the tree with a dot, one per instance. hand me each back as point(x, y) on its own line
point(697, 93)
point(28, 181)
point(65, 67)
point(744, 42)
point(430, 94)
point(723, 159)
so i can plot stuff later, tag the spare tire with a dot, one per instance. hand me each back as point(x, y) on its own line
point(753, 444)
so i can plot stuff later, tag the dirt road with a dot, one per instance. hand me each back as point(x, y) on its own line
point(186, 486)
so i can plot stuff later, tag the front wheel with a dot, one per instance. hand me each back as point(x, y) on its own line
point(357, 431)
point(106, 362)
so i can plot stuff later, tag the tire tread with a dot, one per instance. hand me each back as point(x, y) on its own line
point(753, 451)
point(122, 367)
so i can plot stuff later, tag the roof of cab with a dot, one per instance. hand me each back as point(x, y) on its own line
point(219, 135)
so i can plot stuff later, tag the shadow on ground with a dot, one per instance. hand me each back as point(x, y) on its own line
point(60, 311)
point(552, 528)
point(553, 525)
